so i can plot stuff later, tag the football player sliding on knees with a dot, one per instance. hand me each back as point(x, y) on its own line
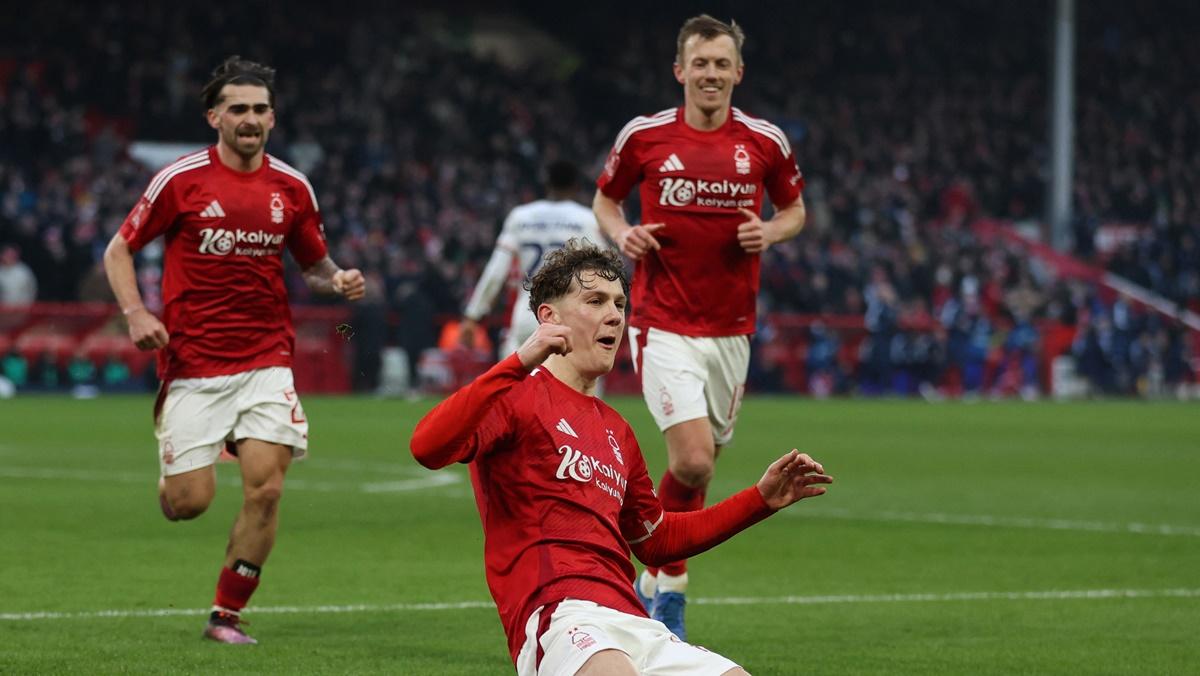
point(563, 492)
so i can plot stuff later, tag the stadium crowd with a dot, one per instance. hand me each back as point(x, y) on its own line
point(909, 125)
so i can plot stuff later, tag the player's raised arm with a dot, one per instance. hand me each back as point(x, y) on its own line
point(145, 330)
point(448, 433)
point(789, 479)
point(634, 241)
point(327, 278)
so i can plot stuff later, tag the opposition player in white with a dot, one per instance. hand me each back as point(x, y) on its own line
point(705, 169)
point(530, 233)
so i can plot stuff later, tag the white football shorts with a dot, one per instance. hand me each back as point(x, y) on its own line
point(199, 415)
point(685, 378)
point(579, 629)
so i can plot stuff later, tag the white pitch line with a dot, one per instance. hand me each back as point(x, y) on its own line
point(1001, 521)
point(269, 610)
point(1046, 595)
point(75, 475)
point(430, 480)
point(1049, 595)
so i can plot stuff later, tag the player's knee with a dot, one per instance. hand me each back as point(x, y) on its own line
point(187, 506)
point(693, 470)
point(266, 495)
point(184, 501)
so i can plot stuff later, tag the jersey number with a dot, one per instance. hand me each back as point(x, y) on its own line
point(538, 251)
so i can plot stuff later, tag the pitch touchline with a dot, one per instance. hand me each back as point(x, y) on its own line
point(1001, 521)
point(1048, 595)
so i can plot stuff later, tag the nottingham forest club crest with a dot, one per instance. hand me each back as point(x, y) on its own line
point(276, 208)
point(741, 159)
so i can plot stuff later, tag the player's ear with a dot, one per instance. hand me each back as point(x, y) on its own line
point(547, 314)
point(741, 70)
point(678, 69)
point(213, 118)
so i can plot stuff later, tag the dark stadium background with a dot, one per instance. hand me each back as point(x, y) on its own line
point(968, 537)
point(923, 131)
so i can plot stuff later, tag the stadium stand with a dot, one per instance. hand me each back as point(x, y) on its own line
point(915, 127)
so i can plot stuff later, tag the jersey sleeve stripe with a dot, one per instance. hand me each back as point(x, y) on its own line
point(766, 129)
point(285, 168)
point(164, 177)
point(643, 122)
point(650, 528)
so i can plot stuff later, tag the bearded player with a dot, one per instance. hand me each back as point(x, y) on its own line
point(225, 341)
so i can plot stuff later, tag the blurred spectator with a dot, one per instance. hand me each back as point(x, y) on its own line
point(908, 121)
point(81, 370)
point(46, 372)
point(18, 286)
point(369, 326)
point(825, 376)
point(15, 368)
point(115, 374)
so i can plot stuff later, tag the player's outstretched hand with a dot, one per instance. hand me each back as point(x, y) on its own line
point(146, 331)
point(792, 478)
point(548, 339)
point(350, 284)
point(639, 240)
point(752, 235)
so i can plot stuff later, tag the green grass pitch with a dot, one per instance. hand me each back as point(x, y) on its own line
point(993, 538)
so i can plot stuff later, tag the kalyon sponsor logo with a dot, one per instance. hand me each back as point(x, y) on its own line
point(220, 242)
point(681, 192)
point(584, 468)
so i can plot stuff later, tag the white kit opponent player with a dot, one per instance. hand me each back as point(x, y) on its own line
point(530, 233)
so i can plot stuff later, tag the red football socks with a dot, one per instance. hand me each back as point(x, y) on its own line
point(235, 585)
point(677, 496)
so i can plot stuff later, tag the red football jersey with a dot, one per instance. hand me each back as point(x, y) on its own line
point(563, 494)
point(549, 458)
point(225, 304)
point(701, 283)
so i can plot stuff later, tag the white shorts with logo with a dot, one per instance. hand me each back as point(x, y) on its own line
point(199, 415)
point(685, 378)
point(580, 629)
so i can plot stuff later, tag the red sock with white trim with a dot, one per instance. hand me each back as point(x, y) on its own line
point(235, 585)
point(677, 496)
